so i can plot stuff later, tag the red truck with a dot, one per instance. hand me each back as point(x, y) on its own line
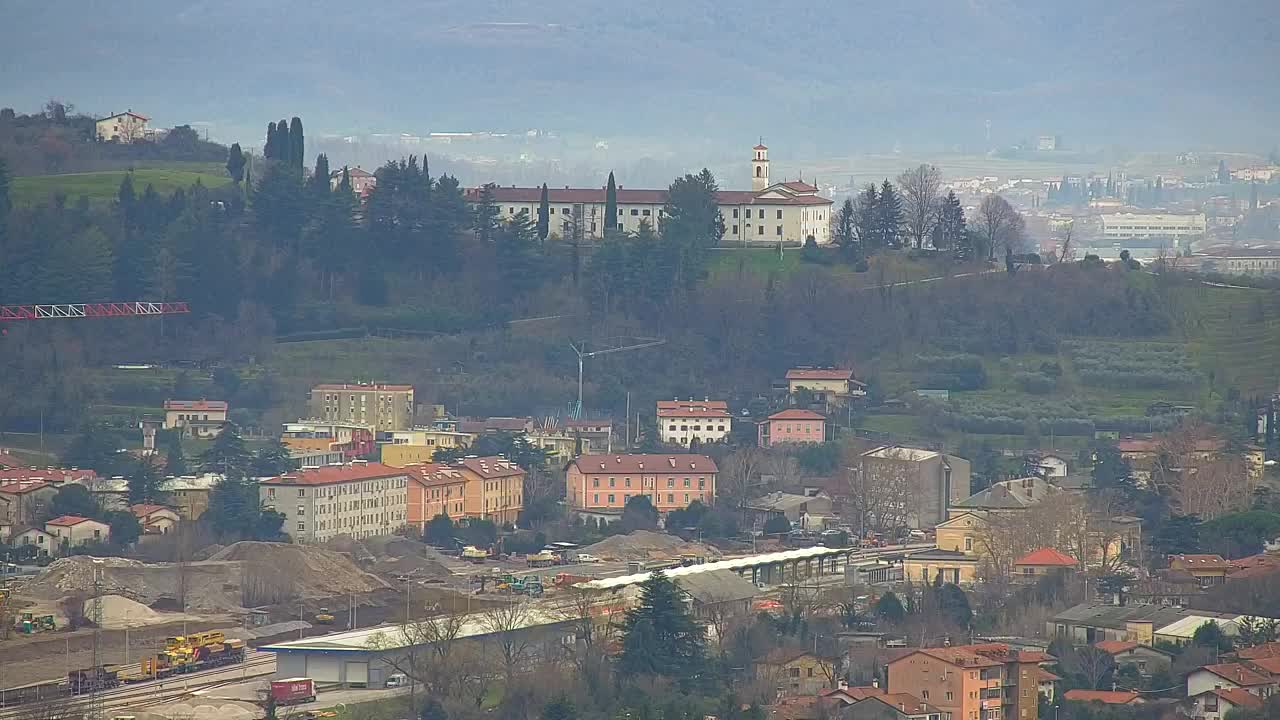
point(292, 691)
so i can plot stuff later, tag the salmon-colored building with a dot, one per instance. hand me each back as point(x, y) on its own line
point(605, 482)
point(990, 681)
point(494, 488)
point(792, 426)
point(434, 489)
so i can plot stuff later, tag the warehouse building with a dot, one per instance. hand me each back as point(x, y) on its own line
point(367, 657)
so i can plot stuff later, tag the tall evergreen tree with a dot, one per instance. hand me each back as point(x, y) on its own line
point(81, 266)
point(544, 215)
point(610, 207)
point(518, 263)
point(175, 462)
point(145, 481)
point(846, 234)
point(297, 147)
point(284, 144)
point(866, 219)
point(659, 637)
point(319, 182)
point(951, 223)
point(889, 216)
point(228, 455)
point(485, 218)
point(271, 150)
point(235, 163)
point(344, 185)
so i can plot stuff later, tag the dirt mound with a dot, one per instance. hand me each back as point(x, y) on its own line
point(211, 587)
point(120, 612)
point(299, 569)
point(647, 545)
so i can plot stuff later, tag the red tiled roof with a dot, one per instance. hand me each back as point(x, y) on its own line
point(130, 112)
point(144, 510)
point(645, 464)
point(760, 147)
point(1112, 647)
point(1258, 652)
point(693, 408)
point(958, 656)
point(210, 405)
point(796, 414)
point(906, 703)
point(1270, 664)
point(1045, 675)
point(1255, 566)
point(1238, 697)
point(362, 386)
point(492, 467)
point(1110, 697)
point(67, 521)
point(1047, 557)
point(8, 460)
point(19, 474)
point(1199, 562)
point(799, 186)
point(819, 374)
point(331, 474)
point(434, 474)
point(1238, 673)
point(859, 692)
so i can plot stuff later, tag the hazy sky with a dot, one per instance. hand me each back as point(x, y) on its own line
point(840, 75)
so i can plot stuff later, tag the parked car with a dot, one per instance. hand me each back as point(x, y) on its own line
point(587, 558)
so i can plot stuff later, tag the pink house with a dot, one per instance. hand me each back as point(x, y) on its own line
point(792, 426)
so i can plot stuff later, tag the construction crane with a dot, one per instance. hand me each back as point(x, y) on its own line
point(87, 310)
point(613, 348)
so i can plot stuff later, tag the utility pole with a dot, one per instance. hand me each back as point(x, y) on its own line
point(95, 698)
point(614, 348)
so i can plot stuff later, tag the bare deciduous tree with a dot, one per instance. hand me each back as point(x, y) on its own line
point(507, 627)
point(739, 476)
point(426, 651)
point(999, 225)
point(881, 492)
point(1067, 253)
point(921, 189)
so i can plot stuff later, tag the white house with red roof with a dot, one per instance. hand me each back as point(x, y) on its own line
point(768, 213)
point(680, 422)
point(201, 419)
point(125, 127)
point(155, 519)
point(1214, 704)
point(73, 530)
point(24, 497)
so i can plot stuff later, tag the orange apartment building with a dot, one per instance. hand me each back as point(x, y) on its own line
point(604, 483)
point(434, 489)
point(494, 488)
point(972, 682)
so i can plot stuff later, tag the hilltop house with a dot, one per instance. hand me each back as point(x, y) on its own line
point(125, 127)
point(202, 419)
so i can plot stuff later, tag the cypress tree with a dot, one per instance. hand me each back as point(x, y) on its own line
point(889, 215)
point(344, 186)
point(284, 145)
point(235, 163)
point(610, 206)
point(297, 148)
point(485, 219)
point(320, 176)
point(544, 215)
point(271, 150)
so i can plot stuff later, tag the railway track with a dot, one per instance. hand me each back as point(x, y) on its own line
point(155, 692)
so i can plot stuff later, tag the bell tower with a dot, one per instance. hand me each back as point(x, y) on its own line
point(760, 168)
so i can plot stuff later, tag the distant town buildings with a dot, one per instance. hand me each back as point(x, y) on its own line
point(767, 214)
point(362, 181)
point(1134, 226)
point(351, 439)
point(201, 419)
point(959, 680)
point(125, 127)
point(604, 483)
point(932, 481)
point(790, 426)
point(1257, 262)
point(383, 407)
point(683, 422)
point(826, 385)
point(358, 499)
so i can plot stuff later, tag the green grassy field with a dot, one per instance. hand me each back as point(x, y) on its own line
point(103, 186)
point(1235, 335)
point(737, 262)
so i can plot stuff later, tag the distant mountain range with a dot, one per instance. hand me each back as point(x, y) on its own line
point(837, 75)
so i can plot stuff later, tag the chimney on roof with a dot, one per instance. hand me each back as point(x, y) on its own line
point(672, 461)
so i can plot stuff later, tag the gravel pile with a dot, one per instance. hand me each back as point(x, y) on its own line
point(120, 612)
point(311, 572)
point(647, 545)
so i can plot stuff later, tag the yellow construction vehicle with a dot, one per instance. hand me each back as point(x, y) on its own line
point(324, 617)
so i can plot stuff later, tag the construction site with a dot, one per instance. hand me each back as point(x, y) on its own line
point(258, 592)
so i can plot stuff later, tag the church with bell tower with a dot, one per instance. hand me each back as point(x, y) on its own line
point(760, 168)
